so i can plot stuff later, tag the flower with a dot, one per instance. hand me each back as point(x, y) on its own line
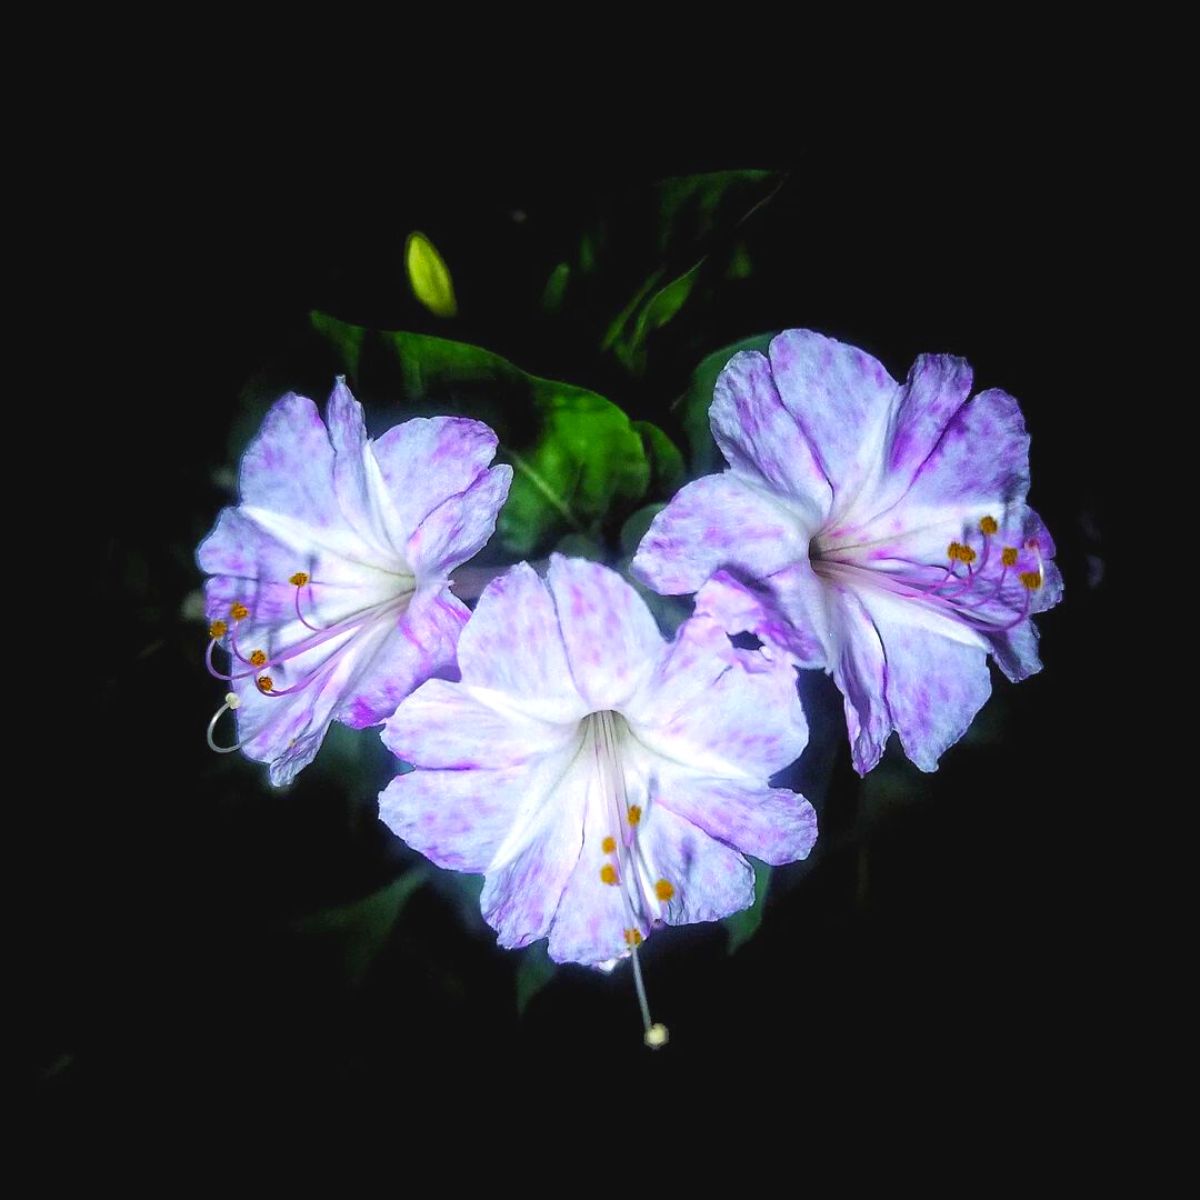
point(603, 780)
point(329, 585)
point(886, 524)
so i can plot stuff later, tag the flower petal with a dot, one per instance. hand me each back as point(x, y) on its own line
point(710, 880)
point(719, 711)
point(288, 467)
point(760, 438)
point(453, 726)
point(612, 641)
point(859, 668)
point(936, 676)
point(513, 645)
point(842, 399)
point(357, 480)
point(718, 521)
point(427, 459)
point(460, 526)
point(419, 644)
point(937, 387)
point(772, 824)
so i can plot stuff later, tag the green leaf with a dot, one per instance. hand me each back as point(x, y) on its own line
point(556, 288)
point(578, 463)
point(667, 469)
point(692, 407)
point(653, 255)
point(361, 928)
point(429, 276)
point(744, 925)
point(534, 971)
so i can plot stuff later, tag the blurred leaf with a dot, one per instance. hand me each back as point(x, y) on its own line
point(657, 252)
point(575, 545)
point(556, 287)
point(578, 463)
point(692, 407)
point(429, 276)
point(666, 462)
point(534, 971)
point(362, 927)
point(744, 925)
point(635, 527)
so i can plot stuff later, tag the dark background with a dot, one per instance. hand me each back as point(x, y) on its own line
point(199, 942)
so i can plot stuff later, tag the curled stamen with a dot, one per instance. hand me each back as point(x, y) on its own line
point(231, 702)
point(301, 581)
point(212, 670)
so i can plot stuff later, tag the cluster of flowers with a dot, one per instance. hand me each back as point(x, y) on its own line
point(602, 779)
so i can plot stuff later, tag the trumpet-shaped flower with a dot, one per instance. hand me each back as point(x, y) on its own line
point(603, 780)
point(329, 586)
point(884, 523)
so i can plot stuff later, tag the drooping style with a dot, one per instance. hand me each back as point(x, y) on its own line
point(884, 523)
point(329, 580)
point(602, 779)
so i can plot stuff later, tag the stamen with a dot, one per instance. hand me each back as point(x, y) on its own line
point(1009, 556)
point(238, 611)
point(634, 814)
point(218, 629)
point(633, 937)
point(300, 579)
point(231, 702)
point(608, 845)
point(608, 874)
point(1031, 579)
point(988, 526)
point(664, 889)
point(258, 658)
point(265, 684)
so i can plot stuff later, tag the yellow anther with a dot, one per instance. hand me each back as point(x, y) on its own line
point(608, 845)
point(608, 873)
point(988, 525)
point(265, 684)
point(1031, 579)
point(954, 551)
point(218, 629)
point(299, 579)
point(664, 889)
point(1009, 556)
point(633, 937)
point(966, 555)
point(635, 813)
point(257, 658)
point(656, 1036)
point(238, 611)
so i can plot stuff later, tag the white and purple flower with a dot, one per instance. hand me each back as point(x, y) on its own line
point(603, 780)
point(885, 525)
point(330, 579)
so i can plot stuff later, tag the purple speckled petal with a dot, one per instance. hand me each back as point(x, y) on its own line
point(454, 726)
point(859, 670)
point(773, 824)
point(459, 819)
point(611, 639)
point(710, 879)
point(937, 677)
point(513, 645)
point(357, 480)
point(842, 400)
point(718, 521)
point(719, 711)
point(761, 439)
point(592, 917)
point(288, 467)
point(460, 526)
point(427, 459)
point(419, 643)
point(937, 387)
